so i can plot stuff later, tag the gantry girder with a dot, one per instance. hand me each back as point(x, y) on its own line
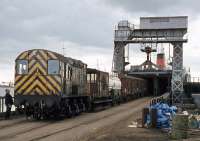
point(162, 33)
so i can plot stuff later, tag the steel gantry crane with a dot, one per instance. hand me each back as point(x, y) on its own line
point(154, 30)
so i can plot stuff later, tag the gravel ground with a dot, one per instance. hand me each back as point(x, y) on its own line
point(121, 132)
point(80, 128)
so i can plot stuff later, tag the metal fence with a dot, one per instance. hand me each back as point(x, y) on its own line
point(195, 80)
point(3, 106)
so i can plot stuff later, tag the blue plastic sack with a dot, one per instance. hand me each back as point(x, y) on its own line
point(164, 112)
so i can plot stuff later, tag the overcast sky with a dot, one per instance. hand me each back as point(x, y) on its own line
point(84, 28)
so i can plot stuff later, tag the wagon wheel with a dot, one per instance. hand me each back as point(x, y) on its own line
point(37, 113)
point(45, 113)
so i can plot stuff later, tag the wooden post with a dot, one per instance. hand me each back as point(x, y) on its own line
point(145, 112)
point(153, 116)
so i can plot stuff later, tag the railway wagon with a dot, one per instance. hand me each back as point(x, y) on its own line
point(47, 83)
point(98, 87)
point(132, 87)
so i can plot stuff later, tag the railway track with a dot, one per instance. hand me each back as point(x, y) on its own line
point(10, 123)
point(68, 128)
point(13, 135)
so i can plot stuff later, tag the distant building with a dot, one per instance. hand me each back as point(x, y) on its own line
point(3, 87)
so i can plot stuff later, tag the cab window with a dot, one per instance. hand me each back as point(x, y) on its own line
point(22, 66)
point(93, 78)
point(53, 67)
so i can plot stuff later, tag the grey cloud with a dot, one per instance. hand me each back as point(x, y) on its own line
point(157, 7)
point(81, 21)
point(27, 24)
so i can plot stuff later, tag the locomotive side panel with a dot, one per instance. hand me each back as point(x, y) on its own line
point(78, 79)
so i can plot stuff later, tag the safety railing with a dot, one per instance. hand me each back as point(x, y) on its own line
point(195, 80)
point(159, 99)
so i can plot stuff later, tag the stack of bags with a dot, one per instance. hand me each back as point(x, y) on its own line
point(164, 114)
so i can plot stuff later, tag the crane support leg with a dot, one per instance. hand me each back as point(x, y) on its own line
point(177, 73)
point(118, 57)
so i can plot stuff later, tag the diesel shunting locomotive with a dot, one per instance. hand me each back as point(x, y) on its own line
point(49, 84)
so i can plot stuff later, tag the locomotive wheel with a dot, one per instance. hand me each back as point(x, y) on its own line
point(28, 111)
point(73, 110)
point(69, 111)
point(37, 114)
point(77, 109)
point(45, 114)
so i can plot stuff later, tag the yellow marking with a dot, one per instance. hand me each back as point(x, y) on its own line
point(35, 67)
point(21, 81)
point(30, 56)
point(23, 55)
point(30, 89)
point(42, 61)
point(58, 79)
point(38, 91)
point(24, 87)
point(54, 83)
point(52, 56)
point(38, 83)
point(31, 63)
point(32, 53)
point(48, 85)
point(17, 77)
point(43, 53)
point(44, 89)
point(41, 68)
